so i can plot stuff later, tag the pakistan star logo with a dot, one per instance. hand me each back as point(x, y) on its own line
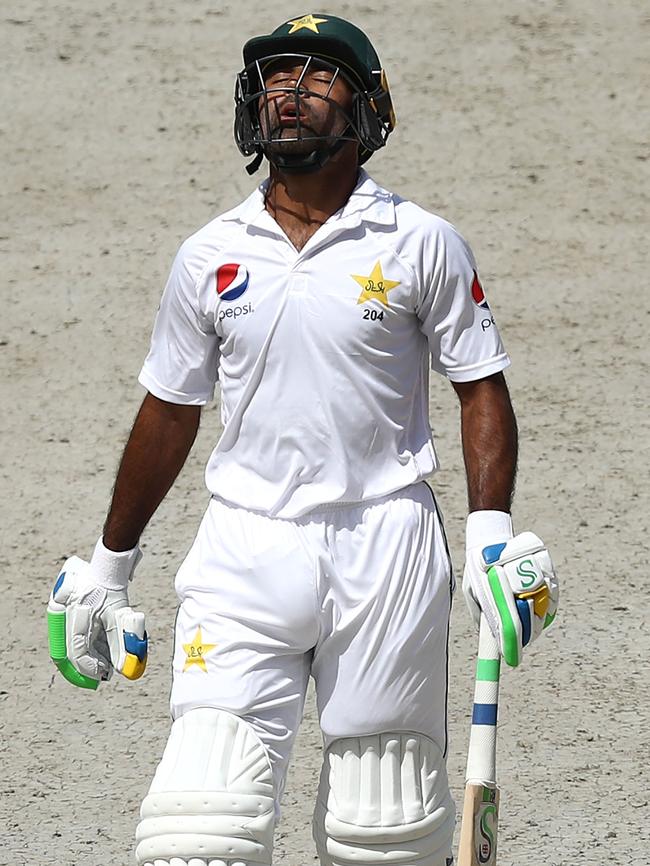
point(307, 22)
point(195, 652)
point(375, 287)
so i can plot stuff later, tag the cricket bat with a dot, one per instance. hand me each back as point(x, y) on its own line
point(478, 831)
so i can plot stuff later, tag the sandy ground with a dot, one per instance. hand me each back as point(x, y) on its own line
point(525, 123)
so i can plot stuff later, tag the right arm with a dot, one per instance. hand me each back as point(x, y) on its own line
point(92, 628)
point(161, 439)
point(179, 373)
point(89, 606)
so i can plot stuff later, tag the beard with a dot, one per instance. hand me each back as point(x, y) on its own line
point(319, 130)
point(291, 140)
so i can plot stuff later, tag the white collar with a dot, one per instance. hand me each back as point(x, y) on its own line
point(368, 202)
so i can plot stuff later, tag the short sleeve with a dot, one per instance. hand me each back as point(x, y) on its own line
point(454, 314)
point(182, 364)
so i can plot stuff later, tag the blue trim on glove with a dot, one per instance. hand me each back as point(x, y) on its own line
point(59, 583)
point(492, 553)
point(135, 645)
point(523, 609)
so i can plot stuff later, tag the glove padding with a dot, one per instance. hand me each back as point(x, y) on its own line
point(513, 584)
point(92, 629)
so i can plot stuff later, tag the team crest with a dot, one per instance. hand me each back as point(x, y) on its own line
point(196, 651)
point(375, 287)
point(478, 295)
point(307, 22)
point(232, 281)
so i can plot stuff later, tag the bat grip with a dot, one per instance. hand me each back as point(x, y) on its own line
point(481, 755)
point(488, 646)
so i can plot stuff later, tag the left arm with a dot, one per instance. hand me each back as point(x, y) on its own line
point(507, 579)
point(515, 587)
point(489, 438)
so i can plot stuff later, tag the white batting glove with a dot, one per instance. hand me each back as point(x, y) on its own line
point(92, 628)
point(510, 580)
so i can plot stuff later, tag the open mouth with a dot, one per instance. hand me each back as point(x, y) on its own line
point(290, 116)
point(293, 123)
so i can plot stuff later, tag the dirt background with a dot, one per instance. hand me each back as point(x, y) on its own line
point(525, 124)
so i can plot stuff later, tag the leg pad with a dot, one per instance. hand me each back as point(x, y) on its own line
point(212, 801)
point(384, 799)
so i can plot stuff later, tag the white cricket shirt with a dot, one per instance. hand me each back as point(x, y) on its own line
point(322, 355)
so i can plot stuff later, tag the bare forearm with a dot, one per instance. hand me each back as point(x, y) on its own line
point(489, 437)
point(161, 438)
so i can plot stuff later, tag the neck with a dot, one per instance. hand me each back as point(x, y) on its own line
point(301, 203)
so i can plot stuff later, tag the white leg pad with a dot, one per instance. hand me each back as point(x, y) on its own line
point(211, 802)
point(384, 799)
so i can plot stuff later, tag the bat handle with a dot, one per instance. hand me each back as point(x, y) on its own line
point(481, 755)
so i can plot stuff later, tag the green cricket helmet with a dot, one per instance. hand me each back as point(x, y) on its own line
point(331, 43)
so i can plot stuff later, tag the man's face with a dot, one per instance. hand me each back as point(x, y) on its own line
point(302, 102)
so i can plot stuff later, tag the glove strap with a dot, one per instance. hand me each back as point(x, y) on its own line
point(114, 569)
point(487, 527)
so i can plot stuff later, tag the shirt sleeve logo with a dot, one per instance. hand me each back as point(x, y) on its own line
point(232, 281)
point(478, 295)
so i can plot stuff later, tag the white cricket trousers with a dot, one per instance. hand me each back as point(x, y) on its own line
point(357, 596)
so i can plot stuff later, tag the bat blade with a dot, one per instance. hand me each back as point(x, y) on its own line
point(478, 833)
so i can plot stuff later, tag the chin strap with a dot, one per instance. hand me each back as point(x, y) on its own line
point(252, 167)
point(297, 163)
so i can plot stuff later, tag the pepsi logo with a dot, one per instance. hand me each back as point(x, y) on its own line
point(232, 281)
point(478, 295)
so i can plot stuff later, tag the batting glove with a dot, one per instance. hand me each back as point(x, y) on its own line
point(510, 580)
point(92, 628)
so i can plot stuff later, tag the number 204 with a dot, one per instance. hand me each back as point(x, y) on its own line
point(374, 315)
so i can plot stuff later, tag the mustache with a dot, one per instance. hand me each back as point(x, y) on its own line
point(281, 118)
point(290, 102)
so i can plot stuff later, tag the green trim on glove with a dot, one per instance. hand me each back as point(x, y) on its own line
point(549, 618)
point(509, 636)
point(58, 652)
